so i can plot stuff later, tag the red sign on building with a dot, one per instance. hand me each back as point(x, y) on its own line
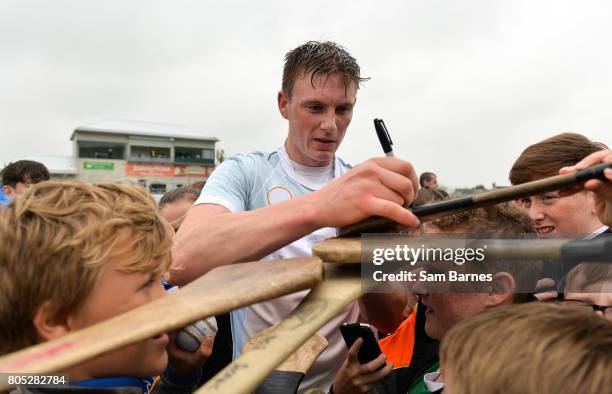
point(154, 169)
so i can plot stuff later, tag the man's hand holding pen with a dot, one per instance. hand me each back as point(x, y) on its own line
point(378, 187)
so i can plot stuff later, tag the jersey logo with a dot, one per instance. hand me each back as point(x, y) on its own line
point(278, 194)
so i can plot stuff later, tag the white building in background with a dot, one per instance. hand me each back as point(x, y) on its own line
point(159, 157)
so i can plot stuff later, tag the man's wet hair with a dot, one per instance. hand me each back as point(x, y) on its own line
point(25, 171)
point(320, 59)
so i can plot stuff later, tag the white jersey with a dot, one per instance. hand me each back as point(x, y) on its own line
point(258, 179)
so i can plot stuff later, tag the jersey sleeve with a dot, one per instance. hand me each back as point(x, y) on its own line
point(229, 185)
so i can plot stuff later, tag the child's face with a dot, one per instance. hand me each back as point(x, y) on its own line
point(445, 307)
point(554, 215)
point(118, 292)
point(599, 293)
point(445, 310)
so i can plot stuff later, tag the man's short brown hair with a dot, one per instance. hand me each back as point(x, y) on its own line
point(56, 240)
point(26, 171)
point(547, 157)
point(531, 348)
point(320, 59)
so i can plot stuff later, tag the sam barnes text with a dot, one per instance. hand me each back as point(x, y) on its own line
point(424, 276)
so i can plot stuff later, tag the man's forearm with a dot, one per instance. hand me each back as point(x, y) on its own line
point(205, 242)
point(210, 237)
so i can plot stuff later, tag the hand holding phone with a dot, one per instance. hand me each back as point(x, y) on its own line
point(365, 364)
point(369, 349)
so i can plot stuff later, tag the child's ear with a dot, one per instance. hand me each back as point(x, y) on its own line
point(502, 291)
point(47, 324)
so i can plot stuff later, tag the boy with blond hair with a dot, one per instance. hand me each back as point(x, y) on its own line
point(530, 348)
point(75, 254)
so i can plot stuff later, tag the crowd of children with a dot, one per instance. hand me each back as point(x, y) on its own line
point(74, 254)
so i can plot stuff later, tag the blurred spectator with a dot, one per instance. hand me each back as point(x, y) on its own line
point(429, 191)
point(18, 176)
point(175, 204)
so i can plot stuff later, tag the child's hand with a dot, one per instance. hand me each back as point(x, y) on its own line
point(354, 377)
point(186, 363)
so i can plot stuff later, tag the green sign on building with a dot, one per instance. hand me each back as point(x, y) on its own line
point(98, 165)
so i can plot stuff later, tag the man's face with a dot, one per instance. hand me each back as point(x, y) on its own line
point(19, 189)
point(555, 216)
point(176, 211)
point(318, 117)
point(432, 183)
point(118, 292)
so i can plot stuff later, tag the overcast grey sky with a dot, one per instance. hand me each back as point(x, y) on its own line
point(463, 86)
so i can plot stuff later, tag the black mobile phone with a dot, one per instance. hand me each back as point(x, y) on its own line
point(369, 349)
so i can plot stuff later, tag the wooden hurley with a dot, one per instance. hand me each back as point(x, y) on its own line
point(433, 211)
point(339, 250)
point(349, 250)
point(298, 361)
point(221, 290)
point(341, 286)
point(231, 287)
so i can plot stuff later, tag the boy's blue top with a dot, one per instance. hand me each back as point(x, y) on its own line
point(4, 200)
point(120, 381)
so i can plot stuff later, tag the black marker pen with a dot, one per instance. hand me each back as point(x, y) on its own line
point(384, 137)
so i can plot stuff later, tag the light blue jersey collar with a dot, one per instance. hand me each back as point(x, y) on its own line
point(338, 170)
